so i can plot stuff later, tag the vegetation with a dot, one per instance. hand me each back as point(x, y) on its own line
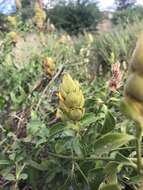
point(70, 115)
point(128, 16)
point(75, 17)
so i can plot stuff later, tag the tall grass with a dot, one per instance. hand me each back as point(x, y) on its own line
point(116, 45)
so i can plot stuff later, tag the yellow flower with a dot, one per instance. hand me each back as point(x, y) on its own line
point(13, 36)
point(40, 16)
point(12, 20)
point(49, 67)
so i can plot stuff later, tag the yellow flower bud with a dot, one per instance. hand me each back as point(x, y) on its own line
point(71, 99)
point(12, 20)
point(49, 67)
point(40, 16)
point(76, 114)
point(49, 62)
point(75, 101)
point(67, 85)
point(13, 36)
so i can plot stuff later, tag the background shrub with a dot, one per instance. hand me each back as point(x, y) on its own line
point(76, 17)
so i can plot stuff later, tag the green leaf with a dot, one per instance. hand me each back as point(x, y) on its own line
point(36, 165)
point(56, 129)
point(77, 147)
point(68, 132)
point(88, 120)
point(110, 187)
point(111, 171)
point(60, 146)
point(2, 101)
point(19, 169)
point(23, 176)
point(4, 162)
point(34, 126)
point(135, 180)
point(109, 123)
point(10, 177)
point(96, 176)
point(122, 159)
point(111, 141)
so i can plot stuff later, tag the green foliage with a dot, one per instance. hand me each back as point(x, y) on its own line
point(40, 151)
point(75, 18)
point(127, 16)
point(113, 46)
point(111, 187)
point(110, 141)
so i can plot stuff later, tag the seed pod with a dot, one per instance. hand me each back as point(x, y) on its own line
point(132, 104)
point(132, 109)
point(136, 63)
point(134, 87)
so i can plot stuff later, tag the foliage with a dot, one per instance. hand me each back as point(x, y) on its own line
point(40, 149)
point(128, 16)
point(74, 18)
point(113, 46)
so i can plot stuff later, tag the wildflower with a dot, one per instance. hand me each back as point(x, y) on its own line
point(49, 67)
point(12, 20)
point(13, 36)
point(115, 82)
point(40, 16)
point(71, 99)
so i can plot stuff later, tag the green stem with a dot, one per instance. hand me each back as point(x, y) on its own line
point(138, 147)
point(79, 158)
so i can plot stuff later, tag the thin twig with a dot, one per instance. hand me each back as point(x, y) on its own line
point(47, 87)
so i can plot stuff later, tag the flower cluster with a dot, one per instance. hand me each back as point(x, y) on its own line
point(71, 101)
point(49, 67)
point(40, 16)
point(115, 82)
point(12, 21)
point(13, 36)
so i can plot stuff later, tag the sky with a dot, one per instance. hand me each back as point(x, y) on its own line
point(106, 4)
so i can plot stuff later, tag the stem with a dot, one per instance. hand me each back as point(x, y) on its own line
point(16, 186)
point(138, 147)
point(76, 158)
point(79, 158)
